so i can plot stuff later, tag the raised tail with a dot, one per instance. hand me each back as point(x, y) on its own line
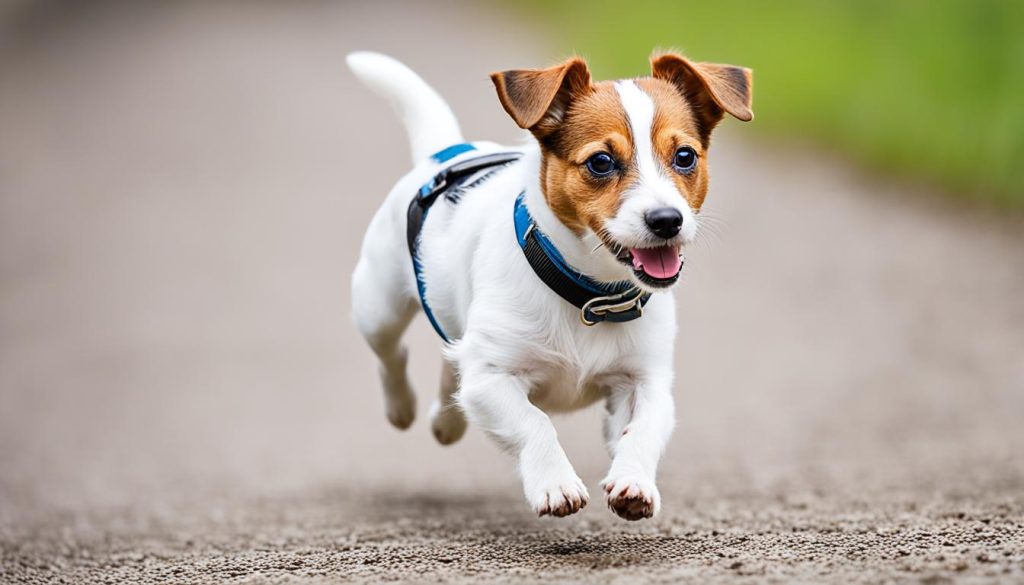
point(428, 120)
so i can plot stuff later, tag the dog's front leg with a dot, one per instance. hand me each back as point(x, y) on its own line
point(640, 421)
point(498, 402)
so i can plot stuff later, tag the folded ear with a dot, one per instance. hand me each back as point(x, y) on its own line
point(537, 99)
point(713, 89)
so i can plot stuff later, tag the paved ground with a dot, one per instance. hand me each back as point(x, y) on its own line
point(182, 397)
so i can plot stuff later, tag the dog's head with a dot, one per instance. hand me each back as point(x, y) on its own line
point(627, 160)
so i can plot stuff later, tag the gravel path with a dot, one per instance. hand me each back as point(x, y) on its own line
point(183, 188)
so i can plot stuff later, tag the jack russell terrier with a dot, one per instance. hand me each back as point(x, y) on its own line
point(544, 267)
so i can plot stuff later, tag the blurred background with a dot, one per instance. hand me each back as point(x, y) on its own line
point(917, 89)
point(183, 190)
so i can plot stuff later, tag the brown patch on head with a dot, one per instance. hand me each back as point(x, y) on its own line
point(593, 124)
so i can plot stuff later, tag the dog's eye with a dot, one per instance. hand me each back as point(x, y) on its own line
point(685, 159)
point(601, 164)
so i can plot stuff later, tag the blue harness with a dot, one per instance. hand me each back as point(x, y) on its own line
point(597, 301)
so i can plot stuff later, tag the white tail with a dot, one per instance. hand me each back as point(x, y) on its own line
point(428, 120)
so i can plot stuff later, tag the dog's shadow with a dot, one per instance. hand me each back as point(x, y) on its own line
point(433, 506)
point(611, 548)
point(484, 528)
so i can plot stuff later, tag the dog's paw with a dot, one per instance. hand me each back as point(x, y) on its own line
point(447, 423)
point(400, 402)
point(632, 497)
point(401, 409)
point(558, 498)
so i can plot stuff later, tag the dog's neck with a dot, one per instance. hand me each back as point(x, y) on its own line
point(585, 253)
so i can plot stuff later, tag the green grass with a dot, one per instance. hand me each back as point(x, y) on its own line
point(930, 89)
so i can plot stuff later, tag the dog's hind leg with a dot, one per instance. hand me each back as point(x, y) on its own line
point(446, 418)
point(382, 310)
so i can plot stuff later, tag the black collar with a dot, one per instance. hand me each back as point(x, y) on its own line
point(616, 302)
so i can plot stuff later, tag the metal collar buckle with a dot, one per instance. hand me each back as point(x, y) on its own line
point(593, 308)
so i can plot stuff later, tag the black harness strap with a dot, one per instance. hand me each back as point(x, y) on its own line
point(445, 181)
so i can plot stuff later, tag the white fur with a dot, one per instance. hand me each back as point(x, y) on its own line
point(520, 350)
point(654, 189)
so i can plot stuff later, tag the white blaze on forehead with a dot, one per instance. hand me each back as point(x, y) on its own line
point(640, 111)
point(654, 189)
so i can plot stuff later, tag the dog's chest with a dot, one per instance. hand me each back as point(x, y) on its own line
point(578, 377)
point(563, 392)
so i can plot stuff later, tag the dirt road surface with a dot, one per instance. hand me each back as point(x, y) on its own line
point(183, 188)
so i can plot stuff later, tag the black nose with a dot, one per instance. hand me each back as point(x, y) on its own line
point(664, 221)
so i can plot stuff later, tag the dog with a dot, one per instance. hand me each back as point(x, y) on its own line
point(544, 267)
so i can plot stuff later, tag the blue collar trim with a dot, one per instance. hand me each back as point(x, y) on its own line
point(523, 223)
point(598, 301)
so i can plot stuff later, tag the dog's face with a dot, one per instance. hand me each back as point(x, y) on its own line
point(627, 160)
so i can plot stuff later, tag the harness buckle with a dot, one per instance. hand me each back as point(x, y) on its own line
point(593, 312)
point(425, 196)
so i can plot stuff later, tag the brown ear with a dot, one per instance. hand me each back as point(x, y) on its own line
point(713, 89)
point(537, 99)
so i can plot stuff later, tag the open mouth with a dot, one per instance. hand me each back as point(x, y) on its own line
point(657, 267)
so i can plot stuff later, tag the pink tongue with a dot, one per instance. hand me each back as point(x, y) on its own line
point(663, 262)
